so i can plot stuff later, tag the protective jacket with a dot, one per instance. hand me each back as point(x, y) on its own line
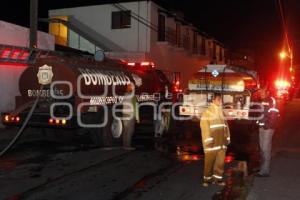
point(130, 107)
point(214, 128)
point(270, 115)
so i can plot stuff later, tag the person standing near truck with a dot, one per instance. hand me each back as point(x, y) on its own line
point(215, 139)
point(267, 126)
point(130, 116)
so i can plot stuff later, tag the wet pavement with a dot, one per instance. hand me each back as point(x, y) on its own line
point(45, 169)
point(42, 169)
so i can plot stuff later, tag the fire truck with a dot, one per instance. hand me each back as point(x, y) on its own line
point(75, 92)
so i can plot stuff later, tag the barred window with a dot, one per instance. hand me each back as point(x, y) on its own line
point(121, 19)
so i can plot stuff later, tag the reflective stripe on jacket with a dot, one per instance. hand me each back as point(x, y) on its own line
point(271, 114)
point(214, 129)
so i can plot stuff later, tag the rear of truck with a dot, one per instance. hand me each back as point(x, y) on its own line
point(237, 87)
point(234, 83)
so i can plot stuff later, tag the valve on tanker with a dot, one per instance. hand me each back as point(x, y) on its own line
point(99, 55)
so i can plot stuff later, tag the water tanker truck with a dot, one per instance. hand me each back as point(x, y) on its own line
point(82, 95)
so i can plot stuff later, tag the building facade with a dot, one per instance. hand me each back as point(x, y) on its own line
point(137, 31)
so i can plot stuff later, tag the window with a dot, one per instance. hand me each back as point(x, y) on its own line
point(214, 51)
point(121, 19)
point(221, 54)
point(195, 42)
point(203, 46)
point(59, 30)
point(161, 27)
point(178, 34)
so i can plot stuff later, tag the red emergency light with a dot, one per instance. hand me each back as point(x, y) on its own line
point(176, 87)
point(143, 64)
point(131, 64)
point(229, 159)
point(15, 54)
point(147, 63)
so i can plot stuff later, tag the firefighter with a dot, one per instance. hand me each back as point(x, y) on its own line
point(130, 116)
point(267, 126)
point(215, 139)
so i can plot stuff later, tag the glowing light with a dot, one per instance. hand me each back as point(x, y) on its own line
point(282, 55)
point(17, 119)
point(6, 118)
point(186, 158)
point(131, 64)
point(195, 157)
point(229, 159)
point(141, 64)
point(282, 84)
point(145, 63)
point(51, 121)
point(16, 54)
point(57, 121)
point(64, 122)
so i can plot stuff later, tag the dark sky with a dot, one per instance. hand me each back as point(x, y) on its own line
point(253, 24)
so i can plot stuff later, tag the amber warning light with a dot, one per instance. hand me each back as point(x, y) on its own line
point(11, 119)
point(57, 122)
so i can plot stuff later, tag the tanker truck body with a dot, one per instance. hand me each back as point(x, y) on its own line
point(81, 94)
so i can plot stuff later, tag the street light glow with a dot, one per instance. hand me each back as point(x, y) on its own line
point(282, 55)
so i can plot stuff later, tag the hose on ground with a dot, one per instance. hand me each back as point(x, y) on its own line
point(21, 130)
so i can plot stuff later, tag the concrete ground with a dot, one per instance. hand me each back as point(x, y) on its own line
point(284, 182)
point(39, 169)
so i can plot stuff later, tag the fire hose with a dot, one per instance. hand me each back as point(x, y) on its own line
point(21, 130)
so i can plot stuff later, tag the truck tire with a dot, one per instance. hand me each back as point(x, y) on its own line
point(116, 128)
point(100, 136)
point(110, 135)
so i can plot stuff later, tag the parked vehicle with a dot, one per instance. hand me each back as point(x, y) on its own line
point(81, 92)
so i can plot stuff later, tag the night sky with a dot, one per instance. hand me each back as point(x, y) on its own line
point(246, 24)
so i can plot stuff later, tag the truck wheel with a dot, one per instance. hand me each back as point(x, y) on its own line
point(116, 128)
point(95, 137)
point(162, 126)
point(109, 135)
point(101, 137)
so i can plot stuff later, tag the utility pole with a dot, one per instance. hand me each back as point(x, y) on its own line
point(33, 23)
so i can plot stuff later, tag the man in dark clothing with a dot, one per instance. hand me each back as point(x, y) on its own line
point(267, 126)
